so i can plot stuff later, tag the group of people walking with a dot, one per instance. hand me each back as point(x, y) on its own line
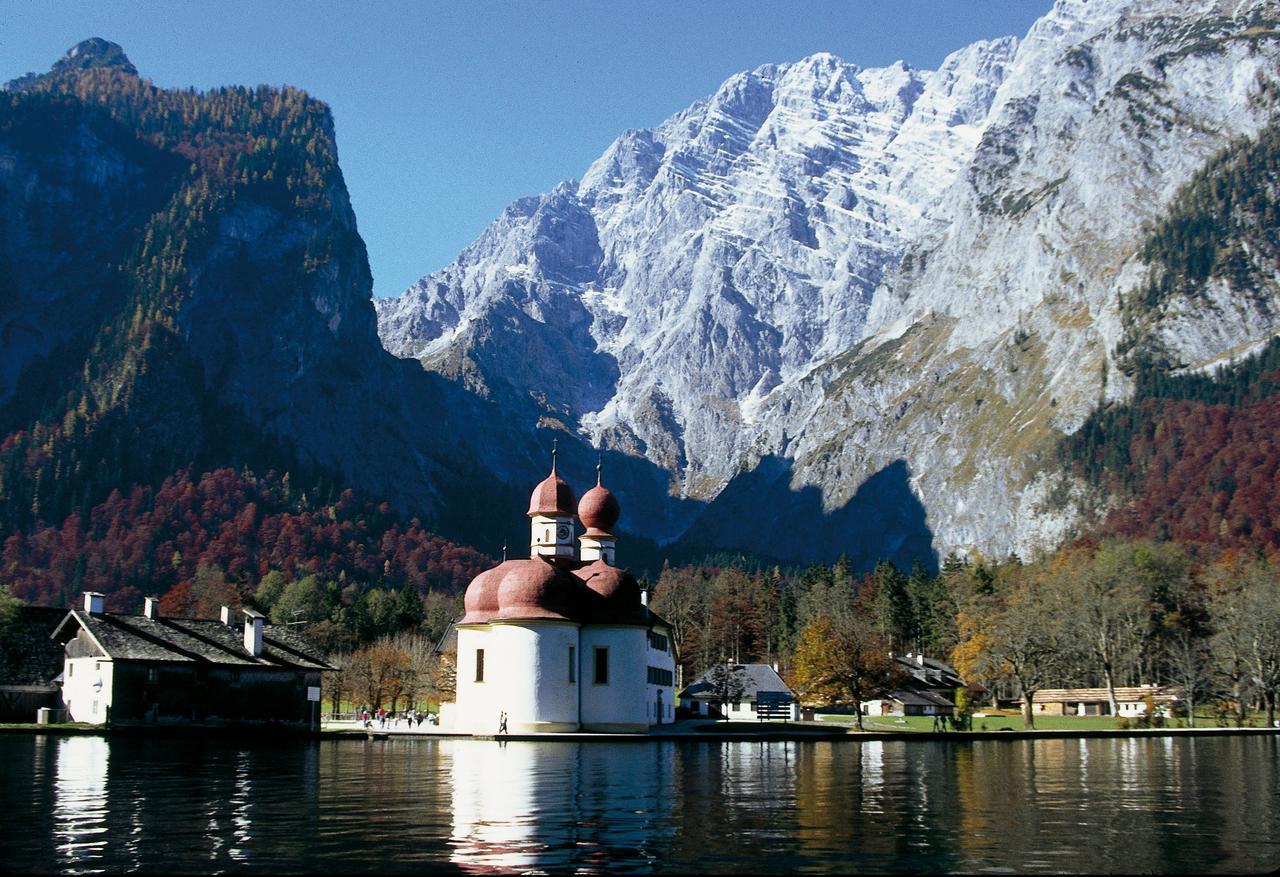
point(386, 718)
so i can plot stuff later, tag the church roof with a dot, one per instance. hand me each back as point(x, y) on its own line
point(593, 593)
point(599, 510)
point(553, 497)
point(561, 588)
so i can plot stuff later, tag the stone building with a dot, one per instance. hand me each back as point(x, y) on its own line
point(563, 640)
point(144, 669)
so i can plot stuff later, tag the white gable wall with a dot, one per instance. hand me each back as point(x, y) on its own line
point(86, 688)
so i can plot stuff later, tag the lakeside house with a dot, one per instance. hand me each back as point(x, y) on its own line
point(1131, 701)
point(563, 640)
point(928, 690)
point(761, 694)
point(122, 670)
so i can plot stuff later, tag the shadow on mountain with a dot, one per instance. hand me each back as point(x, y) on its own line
point(758, 512)
point(484, 459)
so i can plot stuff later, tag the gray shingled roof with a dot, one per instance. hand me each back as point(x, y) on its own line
point(755, 678)
point(27, 655)
point(919, 698)
point(185, 640)
point(933, 674)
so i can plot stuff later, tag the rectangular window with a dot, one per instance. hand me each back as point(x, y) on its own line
point(657, 642)
point(153, 675)
point(71, 668)
point(602, 665)
point(479, 665)
point(659, 676)
point(573, 662)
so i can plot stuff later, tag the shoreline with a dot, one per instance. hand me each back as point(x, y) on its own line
point(770, 735)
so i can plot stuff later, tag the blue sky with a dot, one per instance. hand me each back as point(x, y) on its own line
point(447, 112)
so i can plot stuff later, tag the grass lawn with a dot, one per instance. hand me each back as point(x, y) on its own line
point(980, 723)
point(1013, 721)
point(757, 727)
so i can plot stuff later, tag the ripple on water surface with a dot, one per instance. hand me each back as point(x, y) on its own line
point(89, 804)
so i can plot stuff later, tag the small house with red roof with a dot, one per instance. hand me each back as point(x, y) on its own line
point(563, 640)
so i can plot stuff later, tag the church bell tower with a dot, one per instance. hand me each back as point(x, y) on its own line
point(551, 514)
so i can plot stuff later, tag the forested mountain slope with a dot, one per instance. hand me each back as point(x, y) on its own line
point(183, 288)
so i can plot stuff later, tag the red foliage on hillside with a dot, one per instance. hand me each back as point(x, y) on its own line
point(152, 540)
point(1205, 473)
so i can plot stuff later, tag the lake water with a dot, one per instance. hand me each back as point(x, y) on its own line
point(1186, 805)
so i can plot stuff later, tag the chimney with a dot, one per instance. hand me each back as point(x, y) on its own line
point(253, 632)
point(151, 607)
point(93, 602)
point(920, 659)
point(644, 596)
point(226, 617)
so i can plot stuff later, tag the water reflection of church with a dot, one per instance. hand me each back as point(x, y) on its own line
point(563, 640)
point(554, 806)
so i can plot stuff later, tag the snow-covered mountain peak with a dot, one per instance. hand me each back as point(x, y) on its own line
point(843, 268)
point(720, 254)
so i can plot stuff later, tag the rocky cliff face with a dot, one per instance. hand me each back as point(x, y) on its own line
point(183, 286)
point(699, 266)
point(888, 290)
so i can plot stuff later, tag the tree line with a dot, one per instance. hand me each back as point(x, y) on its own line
point(1096, 614)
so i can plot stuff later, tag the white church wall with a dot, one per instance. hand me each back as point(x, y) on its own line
point(660, 699)
point(538, 693)
point(526, 675)
point(477, 700)
point(621, 703)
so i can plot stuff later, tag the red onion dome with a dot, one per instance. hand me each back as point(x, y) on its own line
point(481, 600)
point(552, 497)
point(615, 594)
point(610, 582)
point(599, 511)
point(535, 589)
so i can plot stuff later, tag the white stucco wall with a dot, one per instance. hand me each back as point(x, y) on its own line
point(526, 675)
point(86, 688)
point(476, 711)
point(621, 703)
point(537, 691)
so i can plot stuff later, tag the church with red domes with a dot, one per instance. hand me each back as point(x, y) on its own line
point(564, 640)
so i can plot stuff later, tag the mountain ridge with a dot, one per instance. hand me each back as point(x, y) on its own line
point(760, 277)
